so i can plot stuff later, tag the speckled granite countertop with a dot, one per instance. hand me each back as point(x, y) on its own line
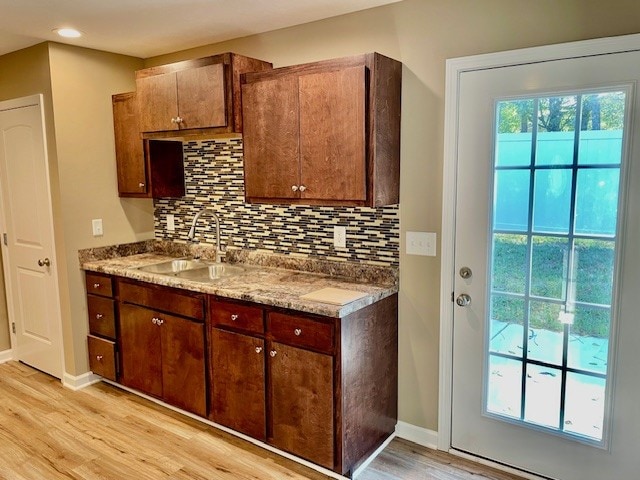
point(264, 280)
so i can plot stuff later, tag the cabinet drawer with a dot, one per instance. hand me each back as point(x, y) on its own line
point(102, 357)
point(247, 318)
point(301, 331)
point(99, 284)
point(101, 316)
point(164, 299)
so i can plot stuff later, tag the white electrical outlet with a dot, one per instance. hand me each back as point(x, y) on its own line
point(421, 243)
point(96, 225)
point(339, 236)
point(171, 222)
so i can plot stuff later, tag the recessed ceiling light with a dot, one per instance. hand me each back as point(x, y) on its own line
point(68, 32)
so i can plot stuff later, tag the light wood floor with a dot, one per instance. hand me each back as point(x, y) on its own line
point(48, 432)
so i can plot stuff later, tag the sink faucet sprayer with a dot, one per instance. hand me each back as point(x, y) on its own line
point(192, 231)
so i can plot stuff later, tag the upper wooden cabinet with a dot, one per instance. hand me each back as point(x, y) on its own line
point(324, 133)
point(146, 168)
point(199, 96)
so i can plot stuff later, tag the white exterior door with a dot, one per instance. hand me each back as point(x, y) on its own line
point(29, 252)
point(547, 268)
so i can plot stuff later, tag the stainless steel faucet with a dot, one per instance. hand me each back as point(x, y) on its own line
point(192, 232)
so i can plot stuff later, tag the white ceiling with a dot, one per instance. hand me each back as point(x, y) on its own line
point(144, 28)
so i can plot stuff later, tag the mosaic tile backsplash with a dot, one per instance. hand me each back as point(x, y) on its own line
point(214, 179)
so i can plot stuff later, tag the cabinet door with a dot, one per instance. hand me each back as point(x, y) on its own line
point(130, 162)
point(202, 97)
point(238, 382)
point(301, 393)
point(332, 135)
point(141, 350)
point(157, 102)
point(271, 124)
point(183, 364)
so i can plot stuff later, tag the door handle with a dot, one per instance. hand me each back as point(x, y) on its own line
point(45, 262)
point(463, 300)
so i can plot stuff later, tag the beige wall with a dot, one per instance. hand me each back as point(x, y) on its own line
point(422, 34)
point(22, 74)
point(82, 83)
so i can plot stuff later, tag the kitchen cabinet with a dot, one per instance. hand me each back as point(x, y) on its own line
point(326, 387)
point(146, 168)
point(324, 133)
point(102, 326)
point(162, 344)
point(237, 370)
point(200, 96)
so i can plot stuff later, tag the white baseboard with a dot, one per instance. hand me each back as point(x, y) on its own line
point(421, 436)
point(81, 381)
point(6, 356)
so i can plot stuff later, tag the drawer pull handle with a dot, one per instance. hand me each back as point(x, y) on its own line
point(96, 285)
point(273, 353)
point(297, 331)
point(258, 349)
point(99, 358)
point(234, 317)
point(99, 316)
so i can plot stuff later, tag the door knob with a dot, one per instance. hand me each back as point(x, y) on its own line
point(44, 262)
point(463, 300)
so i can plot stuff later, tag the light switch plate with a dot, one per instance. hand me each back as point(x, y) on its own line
point(171, 222)
point(421, 243)
point(339, 236)
point(96, 225)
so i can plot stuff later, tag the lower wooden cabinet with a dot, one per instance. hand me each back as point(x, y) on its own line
point(321, 388)
point(238, 382)
point(102, 357)
point(163, 356)
point(302, 398)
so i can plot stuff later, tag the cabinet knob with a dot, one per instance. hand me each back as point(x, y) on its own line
point(96, 285)
point(178, 119)
point(294, 188)
point(99, 358)
point(258, 349)
point(302, 188)
point(297, 331)
point(99, 316)
point(141, 185)
point(155, 321)
point(160, 321)
point(173, 120)
point(273, 353)
point(234, 317)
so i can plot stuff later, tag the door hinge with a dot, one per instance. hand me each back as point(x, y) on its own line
point(13, 327)
point(4, 239)
point(452, 296)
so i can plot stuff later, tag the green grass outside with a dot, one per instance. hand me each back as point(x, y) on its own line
point(593, 274)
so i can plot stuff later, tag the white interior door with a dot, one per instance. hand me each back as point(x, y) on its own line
point(545, 355)
point(29, 253)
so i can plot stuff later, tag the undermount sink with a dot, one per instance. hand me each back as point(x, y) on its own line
point(193, 269)
point(174, 266)
point(211, 272)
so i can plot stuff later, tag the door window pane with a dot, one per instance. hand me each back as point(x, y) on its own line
point(542, 405)
point(515, 127)
point(507, 323)
point(584, 407)
point(588, 348)
point(505, 386)
point(509, 263)
point(556, 130)
point(597, 201)
point(546, 333)
point(593, 262)
point(549, 265)
point(511, 200)
point(552, 201)
point(601, 125)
